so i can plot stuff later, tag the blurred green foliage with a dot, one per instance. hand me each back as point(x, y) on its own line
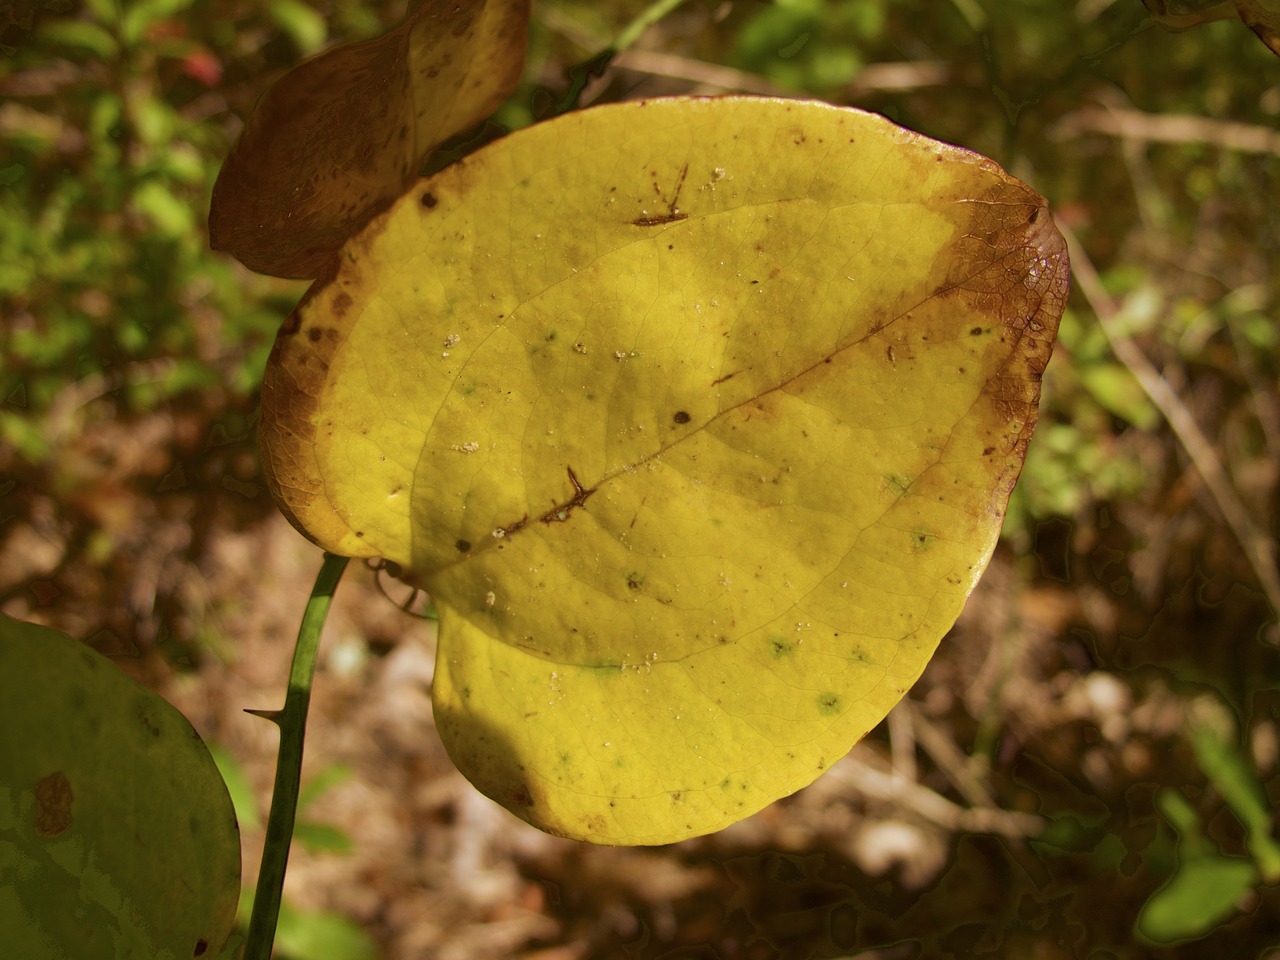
point(103, 262)
point(811, 45)
point(301, 934)
point(114, 119)
point(1207, 886)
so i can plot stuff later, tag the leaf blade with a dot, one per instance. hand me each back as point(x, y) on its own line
point(661, 429)
point(339, 136)
point(120, 835)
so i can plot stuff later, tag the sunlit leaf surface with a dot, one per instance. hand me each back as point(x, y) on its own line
point(339, 136)
point(697, 418)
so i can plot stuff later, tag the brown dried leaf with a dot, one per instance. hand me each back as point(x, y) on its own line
point(1260, 16)
point(339, 136)
point(1263, 18)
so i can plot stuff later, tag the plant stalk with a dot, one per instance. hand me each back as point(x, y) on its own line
point(580, 74)
point(292, 721)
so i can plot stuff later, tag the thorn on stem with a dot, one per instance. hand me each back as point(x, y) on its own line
point(275, 716)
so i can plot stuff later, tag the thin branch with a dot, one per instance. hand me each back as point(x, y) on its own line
point(292, 721)
point(1167, 128)
point(580, 74)
point(902, 741)
point(874, 78)
point(657, 64)
point(1259, 550)
point(957, 767)
point(933, 806)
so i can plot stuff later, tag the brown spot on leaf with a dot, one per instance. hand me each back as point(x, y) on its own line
point(1013, 266)
point(53, 804)
point(340, 305)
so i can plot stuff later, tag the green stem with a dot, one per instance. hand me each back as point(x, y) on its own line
point(643, 21)
point(580, 74)
point(292, 721)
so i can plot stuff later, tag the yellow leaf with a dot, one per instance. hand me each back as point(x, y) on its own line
point(339, 136)
point(697, 419)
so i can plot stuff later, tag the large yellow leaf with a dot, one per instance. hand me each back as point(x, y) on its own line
point(338, 137)
point(697, 418)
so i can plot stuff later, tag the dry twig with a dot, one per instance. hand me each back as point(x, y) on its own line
point(1167, 128)
point(1259, 549)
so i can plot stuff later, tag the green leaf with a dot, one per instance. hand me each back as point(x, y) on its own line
point(243, 797)
point(1118, 391)
point(139, 15)
point(321, 783)
point(171, 216)
point(339, 136)
point(1231, 773)
point(1182, 816)
point(81, 35)
point(697, 420)
point(117, 836)
point(321, 837)
point(305, 27)
point(1203, 892)
point(317, 935)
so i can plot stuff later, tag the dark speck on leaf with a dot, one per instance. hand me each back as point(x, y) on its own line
point(681, 417)
point(314, 334)
point(463, 546)
point(975, 332)
point(429, 200)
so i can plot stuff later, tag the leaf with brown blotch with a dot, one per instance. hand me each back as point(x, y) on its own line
point(696, 418)
point(339, 136)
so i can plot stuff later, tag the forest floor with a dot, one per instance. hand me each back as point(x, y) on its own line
point(1006, 808)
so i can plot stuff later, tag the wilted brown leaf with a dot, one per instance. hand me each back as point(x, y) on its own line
point(338, 137)
point(1260, 16)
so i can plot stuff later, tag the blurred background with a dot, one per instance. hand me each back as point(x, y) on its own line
point(1088, 767)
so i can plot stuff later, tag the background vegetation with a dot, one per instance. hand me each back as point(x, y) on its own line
point(1102, 723)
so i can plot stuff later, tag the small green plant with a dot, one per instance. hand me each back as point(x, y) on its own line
point(301, 934)
point(1207, 886)
point(105, 285)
